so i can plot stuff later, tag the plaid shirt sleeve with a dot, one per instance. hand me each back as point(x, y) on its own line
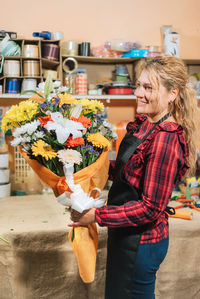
point(161, 169)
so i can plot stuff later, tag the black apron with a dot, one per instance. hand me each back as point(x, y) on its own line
point(123, 242)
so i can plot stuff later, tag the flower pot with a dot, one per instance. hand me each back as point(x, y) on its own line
point(4, 175)
point(5, 190)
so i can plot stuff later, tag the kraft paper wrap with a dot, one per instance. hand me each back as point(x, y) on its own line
point(37, 98)
point(85, 241)
point(121, 131)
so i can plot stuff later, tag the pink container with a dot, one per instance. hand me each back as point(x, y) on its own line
point(81, 83)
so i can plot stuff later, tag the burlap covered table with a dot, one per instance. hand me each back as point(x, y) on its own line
point(38, 262)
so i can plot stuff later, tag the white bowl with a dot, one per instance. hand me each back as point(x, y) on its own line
point(5, 190)
point(4, 175)
point(4, 159)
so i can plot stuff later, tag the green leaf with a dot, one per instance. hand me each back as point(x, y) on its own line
point(73, 235)
point(33, 91)
point(48, 86)
point(3, 239)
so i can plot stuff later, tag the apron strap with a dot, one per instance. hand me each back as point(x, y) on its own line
point(157, 123)
point(138, 141)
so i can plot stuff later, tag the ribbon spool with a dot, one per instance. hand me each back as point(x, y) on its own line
point(69, 48)
point(29, 84)
point(50, 52)
point(31, 51)
point(70, 65)
point(52, 73)
point(58, 35)
point(31, 68)
point(11, 68)
point(8, 48)
point(13, 86)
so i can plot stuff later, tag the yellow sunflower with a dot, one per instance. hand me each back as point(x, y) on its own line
point(99, 140)
point(40, 148)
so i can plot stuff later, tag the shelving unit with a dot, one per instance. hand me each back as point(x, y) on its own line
point(43, 62)
point(50, 64)
point(104, 66)
point(101, 66)
point(95, 66)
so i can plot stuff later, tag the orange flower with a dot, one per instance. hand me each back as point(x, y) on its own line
point(44, 120)
point(74, 142)
point(86, 122)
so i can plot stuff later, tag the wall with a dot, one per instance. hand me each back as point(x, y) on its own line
point(97, 21)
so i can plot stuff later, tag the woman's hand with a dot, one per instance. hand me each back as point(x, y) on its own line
point(82, 219)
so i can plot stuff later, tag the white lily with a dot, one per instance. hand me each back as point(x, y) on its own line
point(63, 127)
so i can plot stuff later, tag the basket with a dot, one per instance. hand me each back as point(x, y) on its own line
point(183, 189)
point(25, 179)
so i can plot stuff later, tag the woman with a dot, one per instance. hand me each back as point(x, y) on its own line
point(158, 149)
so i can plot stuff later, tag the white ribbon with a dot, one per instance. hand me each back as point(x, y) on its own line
point(78, 200)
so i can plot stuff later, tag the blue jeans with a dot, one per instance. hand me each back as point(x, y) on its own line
point(149, 258)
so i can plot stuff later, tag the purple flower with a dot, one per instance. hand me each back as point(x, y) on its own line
point(99, 119)
point(44, 105)
point(86, 147)
point(92, 151)
point(57, 100)
point(66, 106)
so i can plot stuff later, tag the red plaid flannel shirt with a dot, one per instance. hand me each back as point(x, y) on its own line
point(157, 164)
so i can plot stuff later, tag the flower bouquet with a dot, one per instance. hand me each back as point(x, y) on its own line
point(66, 142)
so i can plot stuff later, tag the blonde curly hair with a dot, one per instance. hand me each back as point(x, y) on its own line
point(171, 72)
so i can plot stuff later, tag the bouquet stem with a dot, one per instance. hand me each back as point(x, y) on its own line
point(3, 239)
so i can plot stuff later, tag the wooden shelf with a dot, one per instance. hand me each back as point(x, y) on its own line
point(20, 77)
point(90, 97)
point(105, 96)
point(10, 77)
point(20, 57)
point(49, 63)
point(192, 61)
point(77, 96)
point(34, 77)
point(12, 57)
point(91, 59)
point(115, 60)
point(108, 60)
point(30, 58)
point(7, 99)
